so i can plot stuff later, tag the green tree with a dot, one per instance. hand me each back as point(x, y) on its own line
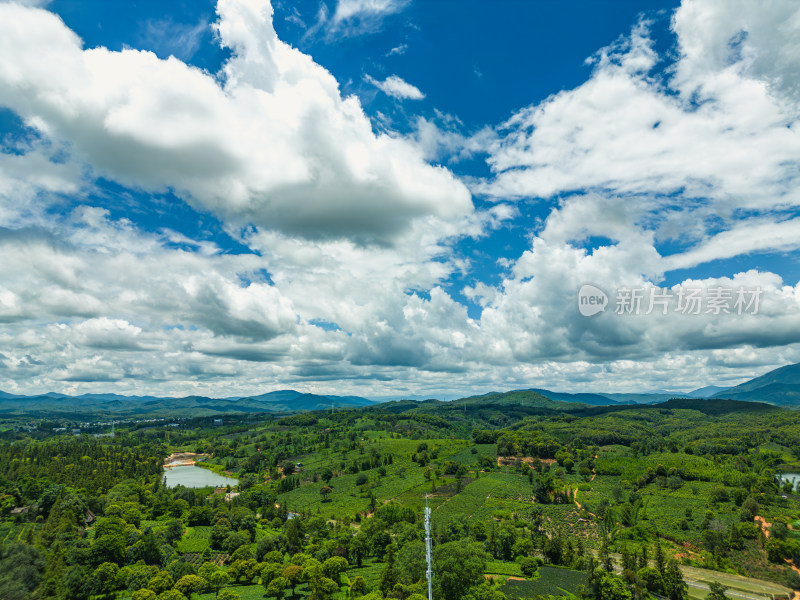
point(219, 579)
point(270, 571)
point(359, 547)
point(293, 530)
point(191, 584)
point(478, 530)
point(522, 547)
point(334, 567)
point(294, 574)
point(144, 594)
point(482, 592)
point(242, 553)
point(410, 563)
point(277, 587)
point(138, 576)
point(529, 566)
point(358, 587)
point(108, 548)
point(506, 538)
point(243, 570)
point(21, 566)
point(660, 560)
point(325, 491)
point(612, 588)
point(174, 531)
point(458, 566)
point(674, 585)
point(219, 533)
point(105, 580)
point(717, 591)
point(236, 540)
point(322, 588)
point(147, 549)
point(736, 541)
point(779, 530)
point(206, 570)
point(161, 582)
point(651, 579)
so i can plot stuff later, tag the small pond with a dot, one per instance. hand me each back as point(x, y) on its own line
point(196, 477)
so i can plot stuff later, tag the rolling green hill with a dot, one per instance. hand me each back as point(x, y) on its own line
point(780, 387)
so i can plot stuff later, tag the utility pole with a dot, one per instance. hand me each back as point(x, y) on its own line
point(428, 552)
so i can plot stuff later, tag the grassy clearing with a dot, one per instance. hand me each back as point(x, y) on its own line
point(503, 568)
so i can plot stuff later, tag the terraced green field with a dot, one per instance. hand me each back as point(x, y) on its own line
point(552, 581)
point(195, 539)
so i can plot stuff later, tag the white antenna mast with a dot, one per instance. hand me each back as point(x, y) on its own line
point(428, 552)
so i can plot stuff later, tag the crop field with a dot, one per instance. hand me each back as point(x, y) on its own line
point(552, 581)
point(621, 462)
point(414, 497)
point(370, 571)
point(262, 532)
point(499, 491)
point(404, 480)
point(665, 509)
point(399, 480)
point(471, 501)
point(195, 539)
point(13, 533)
point(469, 459)
point(345, 499)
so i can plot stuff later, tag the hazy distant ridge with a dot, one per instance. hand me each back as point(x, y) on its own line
point(131, 406)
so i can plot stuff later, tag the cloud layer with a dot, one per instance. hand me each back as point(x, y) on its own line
point(349, 269)
point(273, 143)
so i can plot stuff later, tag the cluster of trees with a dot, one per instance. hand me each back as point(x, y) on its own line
point(34, 472)
point(661, 576)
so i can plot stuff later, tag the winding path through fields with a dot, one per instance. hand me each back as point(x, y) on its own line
point(575, 497)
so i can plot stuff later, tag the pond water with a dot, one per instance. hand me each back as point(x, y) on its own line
point(793, 477)
point(196, 477)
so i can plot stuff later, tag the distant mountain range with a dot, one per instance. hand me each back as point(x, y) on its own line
point(706, 392)
point(189, 406)
point(780, 387)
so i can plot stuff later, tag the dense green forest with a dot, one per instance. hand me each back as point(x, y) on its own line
point(529, 497)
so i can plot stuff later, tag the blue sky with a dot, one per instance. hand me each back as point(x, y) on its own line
point(393, 197)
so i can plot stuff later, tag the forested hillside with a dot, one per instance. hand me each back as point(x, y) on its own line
point(529, 497)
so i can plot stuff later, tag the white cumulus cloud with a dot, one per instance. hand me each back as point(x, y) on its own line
point(357, 17)
point(397, 88)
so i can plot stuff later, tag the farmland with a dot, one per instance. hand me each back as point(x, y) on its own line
point(330, 506)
